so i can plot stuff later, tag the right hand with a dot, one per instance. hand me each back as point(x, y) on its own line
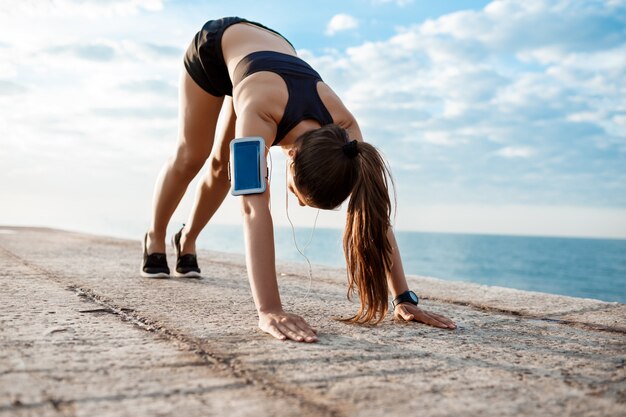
point(284, 326)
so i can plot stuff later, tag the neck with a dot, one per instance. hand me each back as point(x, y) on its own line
point(304, 126)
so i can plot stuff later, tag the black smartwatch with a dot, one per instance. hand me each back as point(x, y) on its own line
point(406, 297)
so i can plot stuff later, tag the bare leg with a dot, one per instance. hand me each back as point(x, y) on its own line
point(198, 113)
point(214, 186)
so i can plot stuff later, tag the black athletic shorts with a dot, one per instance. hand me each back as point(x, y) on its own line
point(204, 60)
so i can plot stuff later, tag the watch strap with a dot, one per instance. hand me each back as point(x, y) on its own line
point(406, 297)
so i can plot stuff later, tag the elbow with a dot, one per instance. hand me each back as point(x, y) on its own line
point(246, 208)
point(253, 205)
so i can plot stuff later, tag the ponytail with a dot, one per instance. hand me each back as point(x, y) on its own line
point(365, 242)
point(327, 169)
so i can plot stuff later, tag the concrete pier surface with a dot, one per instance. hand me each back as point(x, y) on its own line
point(81, 334)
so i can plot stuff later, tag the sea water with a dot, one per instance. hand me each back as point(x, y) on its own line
point(589, 268)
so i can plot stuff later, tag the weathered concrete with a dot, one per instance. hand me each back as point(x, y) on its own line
point(82, 334)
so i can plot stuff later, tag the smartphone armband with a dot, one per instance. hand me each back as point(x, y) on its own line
point(247, 166)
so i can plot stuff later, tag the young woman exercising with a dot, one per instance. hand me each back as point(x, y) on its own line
point(252, 73)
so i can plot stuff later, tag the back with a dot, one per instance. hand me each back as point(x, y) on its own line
point(244, 38)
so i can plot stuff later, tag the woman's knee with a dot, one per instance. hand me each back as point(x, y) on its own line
point(219, 168)
point(187, 162)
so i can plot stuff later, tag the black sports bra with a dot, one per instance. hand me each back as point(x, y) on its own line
point(304, 102)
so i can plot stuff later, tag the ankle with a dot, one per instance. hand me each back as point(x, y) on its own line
point(155, 243)
point(187, 243)
point(156, 236)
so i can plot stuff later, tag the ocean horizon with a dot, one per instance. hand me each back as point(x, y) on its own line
point(573, 266)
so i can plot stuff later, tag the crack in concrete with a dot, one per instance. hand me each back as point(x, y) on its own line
point(101, 369)
point(59, 403)
point(506, 312)
point(224, 362)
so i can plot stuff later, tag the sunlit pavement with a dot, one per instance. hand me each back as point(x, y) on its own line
point(82, 334)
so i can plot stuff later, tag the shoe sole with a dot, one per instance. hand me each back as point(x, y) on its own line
point(159, 275)
point(190, 274)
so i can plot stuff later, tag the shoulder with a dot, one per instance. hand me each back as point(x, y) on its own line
point(255, 119)
point(263, 92)
point(340, 113)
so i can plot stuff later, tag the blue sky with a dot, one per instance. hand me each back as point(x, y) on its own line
point(496, 117)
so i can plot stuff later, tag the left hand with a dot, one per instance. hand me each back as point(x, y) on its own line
point(410, 312)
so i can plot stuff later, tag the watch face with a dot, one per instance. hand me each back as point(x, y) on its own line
point(413, 296)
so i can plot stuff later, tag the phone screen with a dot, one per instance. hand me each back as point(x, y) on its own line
point(247, 170)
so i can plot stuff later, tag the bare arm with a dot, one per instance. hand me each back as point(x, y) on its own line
point(397, 285)
point(260, 262)
point(259, 243)
point(396, 280)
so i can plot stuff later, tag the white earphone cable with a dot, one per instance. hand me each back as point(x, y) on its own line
point(269, 173)
point(293, 232)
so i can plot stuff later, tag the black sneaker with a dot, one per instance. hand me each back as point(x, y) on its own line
point(186, 265)
point(155, 264)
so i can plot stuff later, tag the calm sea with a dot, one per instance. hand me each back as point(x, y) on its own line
point(590, 268)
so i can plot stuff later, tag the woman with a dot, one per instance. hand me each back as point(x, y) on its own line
point(277, 96)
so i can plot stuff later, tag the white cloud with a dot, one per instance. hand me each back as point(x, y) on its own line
point(439, 138)
point(10, 88)
point(58, 134)
point(503, 219)
point(515, 152)
point(471, 85)
point(341, 22)
point(620, 120)
point(400, 3)
point(78, 8)
point(471, 108)
point(90, 51)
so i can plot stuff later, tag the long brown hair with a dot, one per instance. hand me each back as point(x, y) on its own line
point(326, 174)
